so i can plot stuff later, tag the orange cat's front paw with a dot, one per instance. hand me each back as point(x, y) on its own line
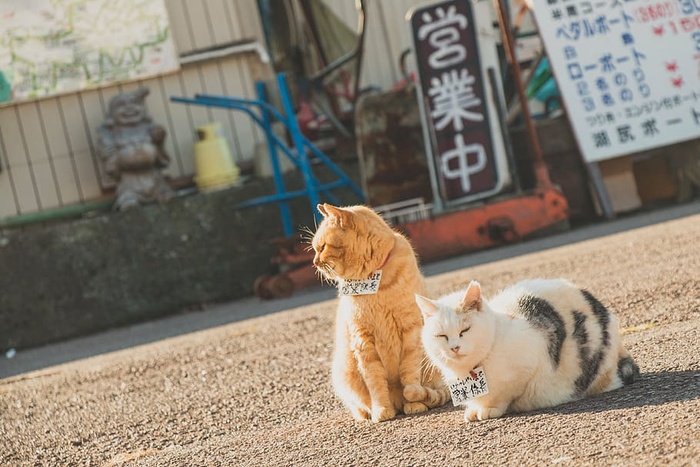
point(414, 393)
point(380, 414)
point(360, 414)
point(411, 408)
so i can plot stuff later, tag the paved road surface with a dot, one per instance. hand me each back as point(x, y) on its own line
point(255, 390)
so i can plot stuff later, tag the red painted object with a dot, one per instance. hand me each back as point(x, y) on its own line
point(283, 285)
point(488, 225)
point(294, 260)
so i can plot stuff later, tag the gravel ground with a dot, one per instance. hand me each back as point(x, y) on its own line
point(257, 392)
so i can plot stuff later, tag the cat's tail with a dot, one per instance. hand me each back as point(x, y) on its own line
point(437, 396)
point(627, 369)
point(437, 393)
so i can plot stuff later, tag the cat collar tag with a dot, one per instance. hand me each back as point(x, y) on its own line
point(360, 286)
point(470, 387)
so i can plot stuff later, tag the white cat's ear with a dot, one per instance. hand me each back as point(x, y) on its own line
point(472, 298)
point(427, 306)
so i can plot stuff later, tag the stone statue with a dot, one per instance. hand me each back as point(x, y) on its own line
point(131, 147)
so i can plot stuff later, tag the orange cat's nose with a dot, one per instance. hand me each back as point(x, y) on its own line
point(316, 261)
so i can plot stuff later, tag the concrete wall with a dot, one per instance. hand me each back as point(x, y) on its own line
point(87, 275)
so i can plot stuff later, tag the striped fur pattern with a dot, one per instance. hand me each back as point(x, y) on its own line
point(379, 366)
point(541, 343)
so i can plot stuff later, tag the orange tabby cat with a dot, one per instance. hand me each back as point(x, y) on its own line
point(379, 367)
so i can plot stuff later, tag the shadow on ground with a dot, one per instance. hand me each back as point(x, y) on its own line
point(652, 389)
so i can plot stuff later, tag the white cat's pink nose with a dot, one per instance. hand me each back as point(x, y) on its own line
point(455, 349)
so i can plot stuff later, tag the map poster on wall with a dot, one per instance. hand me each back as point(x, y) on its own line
point(628, 71)
point(50, 47)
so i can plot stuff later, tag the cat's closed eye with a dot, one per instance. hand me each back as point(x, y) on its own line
point(441, 335)
point(324, 246)
point(461, 333)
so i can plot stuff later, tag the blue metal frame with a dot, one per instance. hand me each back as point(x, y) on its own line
point(298, 155)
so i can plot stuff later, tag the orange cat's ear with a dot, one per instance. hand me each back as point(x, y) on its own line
point(472, 299)
point(322, 209)
point(342, 216)
point(427, 306)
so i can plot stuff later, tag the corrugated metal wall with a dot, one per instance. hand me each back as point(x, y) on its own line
point(47, 147)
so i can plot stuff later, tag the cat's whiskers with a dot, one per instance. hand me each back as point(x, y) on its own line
point(325, 279)
point(306, 236)
point(325, 272)
point(321, 276)
point(329, 267)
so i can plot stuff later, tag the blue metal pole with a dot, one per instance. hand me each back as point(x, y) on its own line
point(224, 101)
point(276, 172)
point(298, 139)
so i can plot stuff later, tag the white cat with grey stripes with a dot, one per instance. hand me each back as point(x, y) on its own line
point(538, 343)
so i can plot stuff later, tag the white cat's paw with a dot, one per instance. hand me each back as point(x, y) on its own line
point(380, 414)
point(475, 412)
point(471, 413)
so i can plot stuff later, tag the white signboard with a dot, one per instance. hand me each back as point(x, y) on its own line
point(50, 47)
point(628, 71)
